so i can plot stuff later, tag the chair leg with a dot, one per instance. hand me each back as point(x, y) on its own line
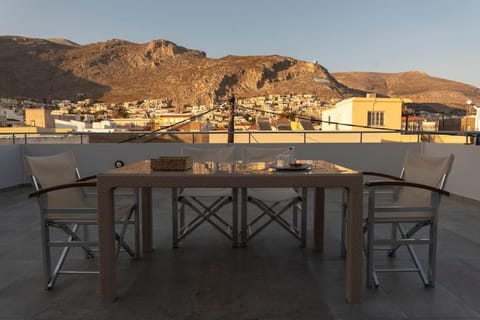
point(267, 210)
point(413, 254)
point(276, 216)
point(295, 217)
point(47, 262)
point(86, 236)
point(120, 236)
point(209, 211)
point(371, 276)
point(137, 231)
point(72, 236)
point(72, 232)
point(404, 234)
point(370, 255)
point(432, 254)
point(124, 245)
point(207, 215)
point(58, 266)
point(121, 242)
point(393, 235)
point(181, 219)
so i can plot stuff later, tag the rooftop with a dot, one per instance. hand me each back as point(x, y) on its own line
point(273, 278)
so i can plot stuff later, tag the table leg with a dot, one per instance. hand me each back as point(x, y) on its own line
point(319, 219)
point(353, 263)
point(106, 242)
point(147, 225)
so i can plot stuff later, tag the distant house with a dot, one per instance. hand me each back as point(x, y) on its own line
point(413, 123)
point(363, 114)
point(80, 126)
point(264, 124)
point(283, 124)
point(39, 117)
point(131, 124)
point(306, 124)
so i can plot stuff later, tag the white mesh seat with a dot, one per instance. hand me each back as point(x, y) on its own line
point(205, 203)
point(414, 206)
point(273, 202)
point(65, 205)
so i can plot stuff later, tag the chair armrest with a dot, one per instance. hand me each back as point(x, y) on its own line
point(87, 178)
point(62, 186)
point(383, 175)
point(406, 184)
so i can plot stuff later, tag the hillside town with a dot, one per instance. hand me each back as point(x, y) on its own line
point(272, 112)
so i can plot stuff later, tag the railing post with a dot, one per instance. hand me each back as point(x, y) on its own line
point(25, 137)
point(361, 137)
point(13, 138)
point(304, 137)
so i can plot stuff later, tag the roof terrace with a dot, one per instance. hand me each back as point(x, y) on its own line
point(270, 279)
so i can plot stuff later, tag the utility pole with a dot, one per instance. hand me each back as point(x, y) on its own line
point(231, 119)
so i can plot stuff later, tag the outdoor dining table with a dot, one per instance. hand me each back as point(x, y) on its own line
point(238, 176)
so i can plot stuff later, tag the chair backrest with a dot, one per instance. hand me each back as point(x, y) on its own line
point(54, 170)
point(427, 170)
point(258, 154)
point(216, 154)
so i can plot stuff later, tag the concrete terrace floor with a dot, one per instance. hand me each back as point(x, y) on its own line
point(207, 279)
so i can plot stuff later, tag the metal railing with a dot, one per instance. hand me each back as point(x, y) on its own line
point(313, 136)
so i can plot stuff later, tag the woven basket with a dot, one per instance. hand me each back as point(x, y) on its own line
point(173, 163)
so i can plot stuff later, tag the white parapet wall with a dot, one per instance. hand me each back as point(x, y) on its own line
point(382, 157)
point(94, 158)
point(464, 179)
point(11, 166)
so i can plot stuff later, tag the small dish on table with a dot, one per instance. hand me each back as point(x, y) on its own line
point(296, 166)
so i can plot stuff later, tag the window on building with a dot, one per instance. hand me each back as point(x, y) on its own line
point(376, 118)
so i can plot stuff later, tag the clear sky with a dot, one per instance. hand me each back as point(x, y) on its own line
point(439, 37)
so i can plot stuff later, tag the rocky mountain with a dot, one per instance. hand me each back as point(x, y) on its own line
point(118, 70)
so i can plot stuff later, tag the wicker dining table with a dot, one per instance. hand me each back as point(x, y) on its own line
point(320, 175)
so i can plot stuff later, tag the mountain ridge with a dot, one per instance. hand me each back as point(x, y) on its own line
point(119, 70)
point(418, 86)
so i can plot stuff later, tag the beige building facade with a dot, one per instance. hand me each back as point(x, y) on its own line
point(39, 117)
point(363, 114)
